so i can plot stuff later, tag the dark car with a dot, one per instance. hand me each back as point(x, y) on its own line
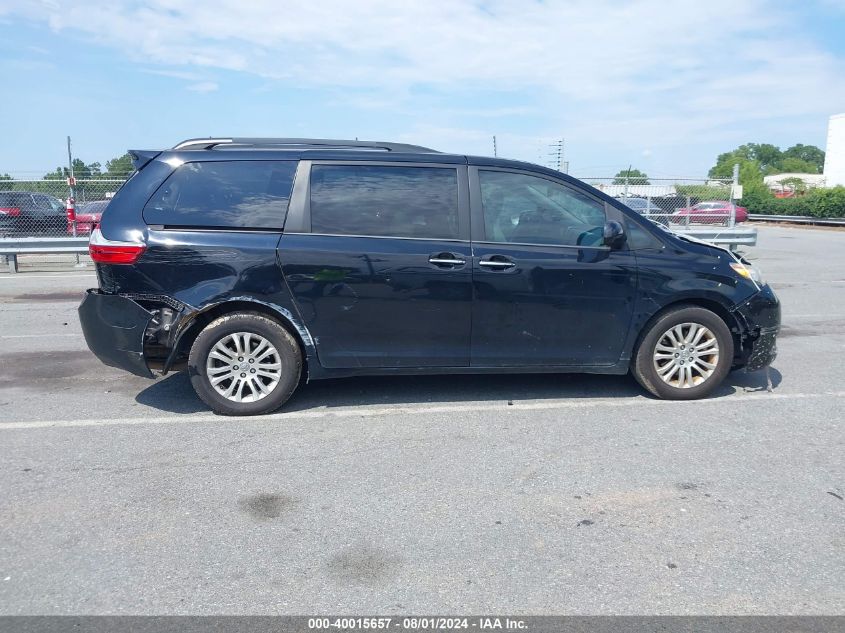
point(25, 213)
point(258, 263)
point(87, 217)
point(646, 208)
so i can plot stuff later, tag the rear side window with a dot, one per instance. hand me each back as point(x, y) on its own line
point(49, 204)
point(225, 194)
point(15, 200)
point(419, 202)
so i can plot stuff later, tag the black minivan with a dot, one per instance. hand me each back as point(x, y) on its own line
point(260, 263)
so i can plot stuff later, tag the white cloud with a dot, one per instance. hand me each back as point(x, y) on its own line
point(176, 74)
point(203, 86)
point(642, 73)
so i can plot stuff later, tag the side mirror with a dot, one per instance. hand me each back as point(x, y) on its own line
point(614, 235)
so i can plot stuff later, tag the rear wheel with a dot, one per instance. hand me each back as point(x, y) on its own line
point(244, 364)
point(685, 354)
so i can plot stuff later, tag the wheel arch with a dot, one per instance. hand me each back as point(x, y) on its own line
point(200, 319)
point(718, 308)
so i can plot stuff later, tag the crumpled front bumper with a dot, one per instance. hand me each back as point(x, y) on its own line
point(761, 314)
point(114, 329)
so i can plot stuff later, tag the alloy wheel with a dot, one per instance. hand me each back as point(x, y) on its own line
point(243, 367)
point(686, 355)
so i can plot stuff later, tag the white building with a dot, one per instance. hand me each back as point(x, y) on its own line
point(834, 162)
point(775, 181)
point(637, 191)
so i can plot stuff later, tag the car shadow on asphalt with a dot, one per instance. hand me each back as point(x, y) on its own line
point(174, 393)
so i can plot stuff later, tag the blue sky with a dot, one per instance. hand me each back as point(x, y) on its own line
point(664, 86)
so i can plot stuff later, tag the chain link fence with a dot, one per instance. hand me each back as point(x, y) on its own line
point(38, 208)
point(676, 203)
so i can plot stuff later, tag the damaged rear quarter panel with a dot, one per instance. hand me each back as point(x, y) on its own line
point(205, 269)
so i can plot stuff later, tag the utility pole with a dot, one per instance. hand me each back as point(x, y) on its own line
point(556, 155)
point(71, 202)
point(70, 164)
point(495, 152)
point(735, 194)
point(71, 182)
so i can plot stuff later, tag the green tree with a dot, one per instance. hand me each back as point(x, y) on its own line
point(808, 153)
point(81, 171)
point(634, 176)
point(750, 172)
point(119, 167)
point(765, 155)
point(5, 185)
point(792, 165)
point(770, 159)
point(57, 174)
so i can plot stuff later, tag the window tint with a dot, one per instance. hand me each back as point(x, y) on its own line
point(15, 199)
point(393, 201)
point(48, 203)
point(639, 238)
point(234, 194)
point(531, 210)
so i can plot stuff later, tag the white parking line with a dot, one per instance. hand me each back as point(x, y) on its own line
point(5, 336)
point(23, 276)
point(364, 412)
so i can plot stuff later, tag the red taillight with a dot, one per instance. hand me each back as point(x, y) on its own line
point(12, 212)
point(115, 254)
point(105, 251)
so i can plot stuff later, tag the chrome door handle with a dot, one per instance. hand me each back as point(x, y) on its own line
point(446, 259)
point(496, 264)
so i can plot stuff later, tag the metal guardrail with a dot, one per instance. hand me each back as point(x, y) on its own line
point(732, 236)
point(797, 219)
point(11, 247)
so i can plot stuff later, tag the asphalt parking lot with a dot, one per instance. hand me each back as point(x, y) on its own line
point(456, 494)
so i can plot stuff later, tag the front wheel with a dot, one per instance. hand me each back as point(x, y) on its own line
point(244, 364)
point(685, 354)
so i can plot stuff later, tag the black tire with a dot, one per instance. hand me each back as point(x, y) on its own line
point(289, 355)
point(643, 365)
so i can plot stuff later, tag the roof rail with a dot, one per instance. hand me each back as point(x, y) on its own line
point(300, 143)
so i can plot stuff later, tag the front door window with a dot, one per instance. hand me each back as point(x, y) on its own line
point(524, 209)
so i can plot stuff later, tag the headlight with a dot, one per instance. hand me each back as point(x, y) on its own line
point(748, 271)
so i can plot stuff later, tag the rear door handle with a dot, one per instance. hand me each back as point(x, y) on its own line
point(446, 259)
point(499, 263)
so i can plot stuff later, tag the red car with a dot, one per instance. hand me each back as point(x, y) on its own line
point(87, 217)
point(709, 212)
